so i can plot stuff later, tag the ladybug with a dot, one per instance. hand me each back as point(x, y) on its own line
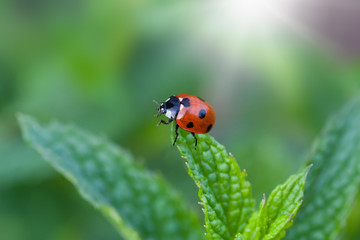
point(191, 113)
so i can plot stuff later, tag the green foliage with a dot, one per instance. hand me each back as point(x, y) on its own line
point(334, 181)
point(276, 213)
point(142, 206)
point(223, 190)
point(226, 195)
point(92, 62)
point(139, 204)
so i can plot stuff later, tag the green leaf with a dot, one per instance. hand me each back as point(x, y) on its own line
point(239, 236)
point(334, 181)
point(140, 204)
point(276, 213)
point(223, 189)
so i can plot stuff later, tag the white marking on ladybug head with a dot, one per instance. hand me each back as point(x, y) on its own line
point(171, 113)
point(168, 114)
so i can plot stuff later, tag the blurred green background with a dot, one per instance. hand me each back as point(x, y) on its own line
point(274, 71)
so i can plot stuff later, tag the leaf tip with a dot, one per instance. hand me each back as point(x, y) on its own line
point(264, 197)
point(26, 122)
point(21, 118)
point(308, 170)
point(291, 215)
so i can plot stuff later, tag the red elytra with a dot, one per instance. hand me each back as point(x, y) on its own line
point(198, 117)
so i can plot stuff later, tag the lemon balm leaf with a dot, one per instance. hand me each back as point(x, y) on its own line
point(224, 192)
point(276, 213)
point(283, 205)
point(139, 204)
point(334, 180)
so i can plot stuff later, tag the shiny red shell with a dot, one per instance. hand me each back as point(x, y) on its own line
point(195, 115)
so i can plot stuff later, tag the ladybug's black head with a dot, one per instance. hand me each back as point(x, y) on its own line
point(170, 107)
point(162, 108)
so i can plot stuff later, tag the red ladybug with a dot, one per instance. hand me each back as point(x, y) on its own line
point(191, 113)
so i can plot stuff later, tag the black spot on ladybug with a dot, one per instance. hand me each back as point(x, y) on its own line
point(186, 102)
point(190, 125)
point(209, 128)
point(201, 99)
point(202, 113)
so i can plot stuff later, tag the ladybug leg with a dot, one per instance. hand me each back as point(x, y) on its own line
point(195, 140)
point(163, 122)
point(176, 133)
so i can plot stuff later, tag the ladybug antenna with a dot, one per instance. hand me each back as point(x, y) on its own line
point(156, 102)
point(159, 113)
